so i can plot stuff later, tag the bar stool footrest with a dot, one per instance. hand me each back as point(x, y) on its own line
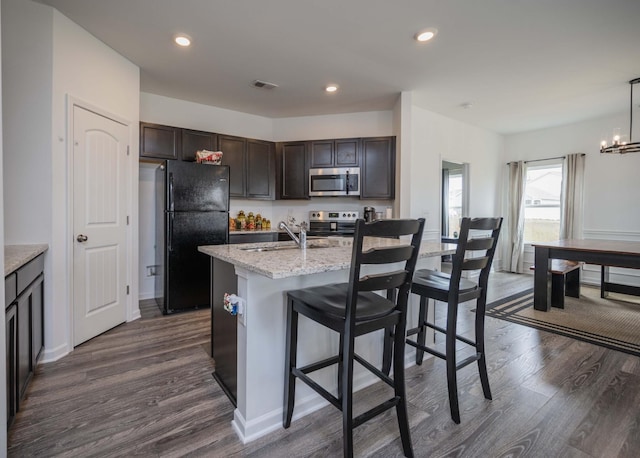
point(377, 410)
point(317, 388)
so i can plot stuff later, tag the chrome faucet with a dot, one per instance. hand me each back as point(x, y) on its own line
point(300, 241)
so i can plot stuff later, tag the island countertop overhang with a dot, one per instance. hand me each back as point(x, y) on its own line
point(321, 256)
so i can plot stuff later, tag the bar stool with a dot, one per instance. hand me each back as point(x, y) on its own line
point(353, 309)
point(472, 254)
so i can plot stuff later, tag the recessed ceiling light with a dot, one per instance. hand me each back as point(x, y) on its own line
point(331, 88)
point(426, 34)
point(182, 40)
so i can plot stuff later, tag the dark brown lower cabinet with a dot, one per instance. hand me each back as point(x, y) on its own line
point(24, 322)
point(255, 237)
point(11, 330)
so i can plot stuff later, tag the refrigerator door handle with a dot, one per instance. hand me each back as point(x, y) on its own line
point(171, 191)
point(170, 233)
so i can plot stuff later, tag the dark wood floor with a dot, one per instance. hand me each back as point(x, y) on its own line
point(145, 388)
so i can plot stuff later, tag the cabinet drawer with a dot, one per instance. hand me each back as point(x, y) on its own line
point(29, 272)
point(10, 292)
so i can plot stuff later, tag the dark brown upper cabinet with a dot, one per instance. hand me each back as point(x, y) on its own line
point(378, 168)
point(158, 141)
point(234, 154)
point(252, 166)
point(335, 153)
point(195, 140)
point(261, 168)
point(293, 171)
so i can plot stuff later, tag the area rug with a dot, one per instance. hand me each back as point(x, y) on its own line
point(613, 322)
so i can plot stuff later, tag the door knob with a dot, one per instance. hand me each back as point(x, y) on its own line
point(82, 238)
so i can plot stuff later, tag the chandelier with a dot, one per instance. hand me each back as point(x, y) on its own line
point(618, 146)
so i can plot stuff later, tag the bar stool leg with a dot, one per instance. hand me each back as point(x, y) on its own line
point(347, 351)
point(422, 319)
point(400, 391)
point(452, 380)
point(387, 351)
point(482, 362)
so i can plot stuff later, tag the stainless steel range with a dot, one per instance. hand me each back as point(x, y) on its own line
point(338, 222)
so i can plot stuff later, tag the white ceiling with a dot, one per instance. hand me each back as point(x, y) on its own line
point(523, 64)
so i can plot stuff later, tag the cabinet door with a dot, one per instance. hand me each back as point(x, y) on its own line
point(378, 168)
point(195, 140)
point(37, 320)
point(24, 343)
point(335, 153)
point(346, 152)
point(11, 334)
point(234, 155)
point(159, 142)
point(322, 153)
point(261, 177)
point(293, 171)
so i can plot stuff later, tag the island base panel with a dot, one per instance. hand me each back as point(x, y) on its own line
point(224, 329)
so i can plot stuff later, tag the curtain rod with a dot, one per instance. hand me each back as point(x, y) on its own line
point(546, 159)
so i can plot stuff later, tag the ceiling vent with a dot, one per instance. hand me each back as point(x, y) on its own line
point(263, 84)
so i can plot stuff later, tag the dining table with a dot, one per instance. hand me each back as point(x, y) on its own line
point(606, 253)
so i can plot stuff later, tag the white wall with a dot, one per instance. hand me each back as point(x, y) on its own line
point(56, 58)
point(180, 113)
point(147, 228)
point(611, 184)
point(434, 138)
point(611, 181)
point(27, 121)
point(86, 69)
point(367, 124)
point(3, 369)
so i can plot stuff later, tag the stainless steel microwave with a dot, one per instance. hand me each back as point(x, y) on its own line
point(334, 182)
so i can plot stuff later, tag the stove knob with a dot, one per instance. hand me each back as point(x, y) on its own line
point(313, 215)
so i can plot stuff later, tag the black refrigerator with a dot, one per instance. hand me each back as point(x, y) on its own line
point(192, 209)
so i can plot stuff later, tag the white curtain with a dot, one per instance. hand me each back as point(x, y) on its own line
point(572, 199)
point(515, 217)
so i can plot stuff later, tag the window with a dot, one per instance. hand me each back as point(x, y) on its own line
point(543, 190)
point(454, 197)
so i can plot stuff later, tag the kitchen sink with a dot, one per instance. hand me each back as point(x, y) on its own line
point(320, 243)
point(279, 248)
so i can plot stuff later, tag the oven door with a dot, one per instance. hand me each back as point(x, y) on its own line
point(329, 228)
point(334, 182)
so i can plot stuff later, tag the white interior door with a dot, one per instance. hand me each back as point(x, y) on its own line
point(99, 224)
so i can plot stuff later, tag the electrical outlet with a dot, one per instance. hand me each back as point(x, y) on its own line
point(151, 271)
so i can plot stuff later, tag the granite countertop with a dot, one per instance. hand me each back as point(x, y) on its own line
point(321, 255)
point(16, 256)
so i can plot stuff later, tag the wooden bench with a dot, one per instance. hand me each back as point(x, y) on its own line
point(565, 281)
point(607, 286)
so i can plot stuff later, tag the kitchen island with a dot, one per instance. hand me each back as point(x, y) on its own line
point(249, 348)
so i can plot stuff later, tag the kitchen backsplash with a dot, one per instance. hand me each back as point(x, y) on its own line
point(282, 210)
